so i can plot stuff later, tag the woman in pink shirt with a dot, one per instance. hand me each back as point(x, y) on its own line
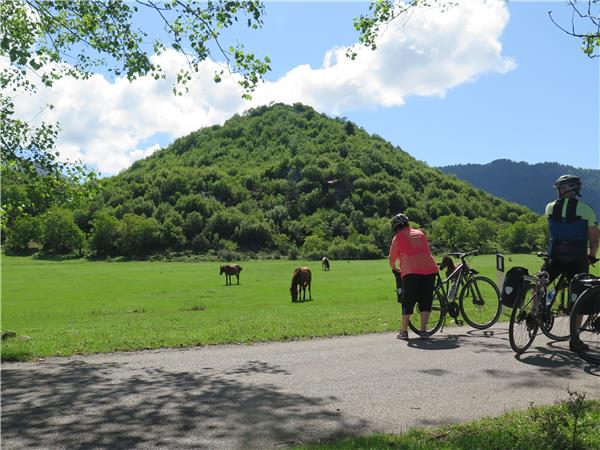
point(411, 257)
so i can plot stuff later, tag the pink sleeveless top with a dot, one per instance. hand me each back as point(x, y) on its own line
point(411, 248)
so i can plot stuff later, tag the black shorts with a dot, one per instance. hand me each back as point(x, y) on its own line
point(417, 289)
point(569, 269)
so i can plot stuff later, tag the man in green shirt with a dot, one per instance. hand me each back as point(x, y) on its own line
point(573, 227)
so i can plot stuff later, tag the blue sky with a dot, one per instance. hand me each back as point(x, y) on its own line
point(478, 83)
point(546, 109)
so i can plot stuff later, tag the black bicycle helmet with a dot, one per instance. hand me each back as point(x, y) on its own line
point(568, 183)
point(399, 221)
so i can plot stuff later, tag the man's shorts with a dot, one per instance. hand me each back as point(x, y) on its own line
point(418, 289)
point(569, 269)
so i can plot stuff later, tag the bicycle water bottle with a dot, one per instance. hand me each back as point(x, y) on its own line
point(550, 297)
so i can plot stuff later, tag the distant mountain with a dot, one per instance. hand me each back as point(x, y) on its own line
point(528, 184)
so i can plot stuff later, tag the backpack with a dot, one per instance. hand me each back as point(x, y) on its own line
point(514, 286)
point(576, 288)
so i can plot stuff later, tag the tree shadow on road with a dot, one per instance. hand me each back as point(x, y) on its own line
point(80, 405)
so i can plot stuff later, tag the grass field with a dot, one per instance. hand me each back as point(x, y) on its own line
point(78, 306)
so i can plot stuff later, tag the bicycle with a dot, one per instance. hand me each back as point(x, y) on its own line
point(558, 306)
point(585, 321)
point(527, 313)
point(478, 299)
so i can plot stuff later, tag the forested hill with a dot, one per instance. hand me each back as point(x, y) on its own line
point(528, 184)
point(286, 180)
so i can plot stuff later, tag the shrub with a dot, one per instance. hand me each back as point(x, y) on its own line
point(105, 234)
point(60, 234)
point(24, 231)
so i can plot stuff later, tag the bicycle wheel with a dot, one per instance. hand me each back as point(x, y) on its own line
point(479, 302)
point(585, 325)
point(554, 321)
point(436, 317)
point(523, 325)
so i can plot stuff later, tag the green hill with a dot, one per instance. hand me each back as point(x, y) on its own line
point(284, 180)
point(528, 184)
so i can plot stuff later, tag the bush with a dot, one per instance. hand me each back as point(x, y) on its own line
point(342, 249)
point(314, 248)
point(252, 233)
point(105, 234)
point(24, 231)
point(60, 234)
point(138, 235)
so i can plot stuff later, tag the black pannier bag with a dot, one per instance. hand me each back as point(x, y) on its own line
point(592, 304)
point(514, 286)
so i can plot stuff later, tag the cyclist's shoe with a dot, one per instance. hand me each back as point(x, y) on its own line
point(403, 335)
point(423, 335)
point(575, 345)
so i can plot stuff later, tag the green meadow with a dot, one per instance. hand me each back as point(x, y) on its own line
point(78, 306)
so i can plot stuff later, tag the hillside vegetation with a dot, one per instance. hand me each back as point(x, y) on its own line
point(528, 184)
point(280, 180)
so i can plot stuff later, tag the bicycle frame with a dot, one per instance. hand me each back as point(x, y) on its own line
point(530, 320)
point(453, 281)
point(450, 294)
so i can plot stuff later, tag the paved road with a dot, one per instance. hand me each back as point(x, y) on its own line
point(278, 394)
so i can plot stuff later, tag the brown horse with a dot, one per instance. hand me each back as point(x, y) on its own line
point(229, 270)
point(300, 281)
point(325, 263)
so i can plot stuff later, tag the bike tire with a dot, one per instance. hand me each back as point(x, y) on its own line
point(523, 326)
point(436, 318)
point(587, 332)
point(479, 302)
point(555, 322)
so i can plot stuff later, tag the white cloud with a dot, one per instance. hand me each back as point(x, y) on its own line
point(107, 123)
point(426, 55)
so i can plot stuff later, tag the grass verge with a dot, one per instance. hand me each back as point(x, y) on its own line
point(574, 424)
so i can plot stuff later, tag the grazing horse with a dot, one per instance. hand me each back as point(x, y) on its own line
point(300, 281)
point(231, 269)
point(325, 263)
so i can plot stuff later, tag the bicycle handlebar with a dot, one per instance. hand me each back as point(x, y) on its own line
point(546, 257)
point(462, 255)
point(540, 277)
point(590, 282)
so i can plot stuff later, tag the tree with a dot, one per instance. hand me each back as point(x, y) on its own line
point(585, 25)
point(138, 235)
point(41, 34)
point(105, 234)
point(24, 231)
point(39, 37)
point(314, 248)
point(60, 234)
point(454, 233)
